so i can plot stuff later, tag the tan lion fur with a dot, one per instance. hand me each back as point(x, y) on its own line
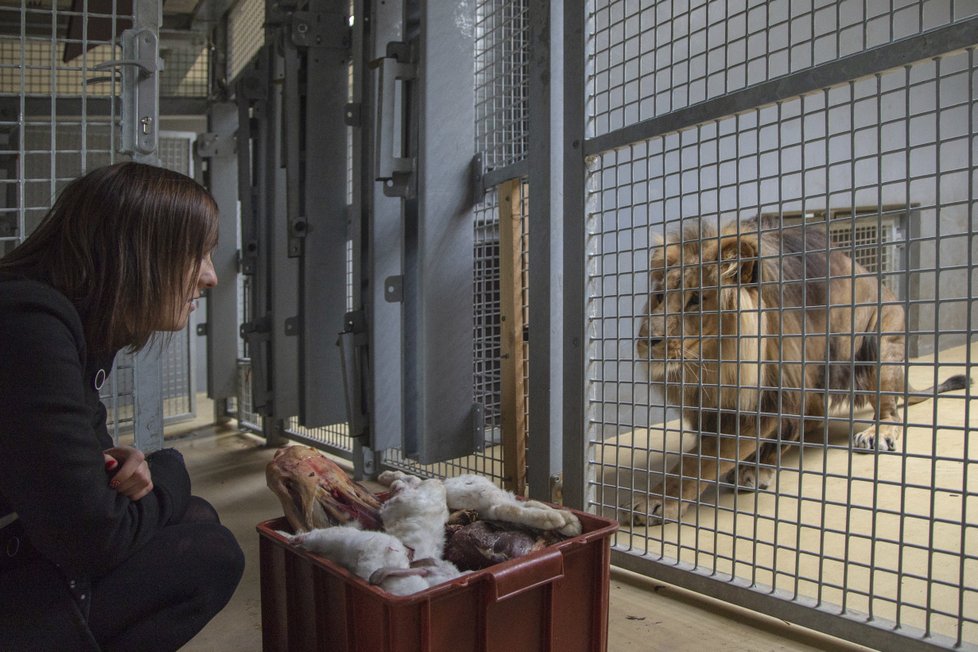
point(756, 330)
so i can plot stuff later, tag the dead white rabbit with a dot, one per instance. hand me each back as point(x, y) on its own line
point(416, 513)
point(495, 504)
point(408, 556)
point(377, 557)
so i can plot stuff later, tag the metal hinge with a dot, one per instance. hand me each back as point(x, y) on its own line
point(211, 145)
point(320, 29)
point(394, 289)
point(352, 342)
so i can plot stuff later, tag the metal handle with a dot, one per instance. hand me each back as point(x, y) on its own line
point(118, 63)
point(386, 164)
point(138, 72)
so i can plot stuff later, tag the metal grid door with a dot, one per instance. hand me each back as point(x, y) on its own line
point(500, 41)
point(705, 139)
point(179, 356)
point(513, 157)
point(59, 117)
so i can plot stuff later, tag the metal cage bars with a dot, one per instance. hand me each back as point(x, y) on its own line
point(683, 153)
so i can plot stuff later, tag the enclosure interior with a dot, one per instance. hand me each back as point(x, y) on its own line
point(442, 251)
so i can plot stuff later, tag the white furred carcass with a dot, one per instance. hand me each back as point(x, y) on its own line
point(492, 503)
point(377, 557)
point(416, 513)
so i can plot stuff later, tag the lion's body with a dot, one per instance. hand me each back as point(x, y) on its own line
point(756, 330)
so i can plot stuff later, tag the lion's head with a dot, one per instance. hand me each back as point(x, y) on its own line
point(700, 327)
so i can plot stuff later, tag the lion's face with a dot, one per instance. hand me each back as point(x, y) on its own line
point(693, 318)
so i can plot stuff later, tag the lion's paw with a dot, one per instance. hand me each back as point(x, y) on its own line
point(656, 511)
point(882, 438)
point(749, 477)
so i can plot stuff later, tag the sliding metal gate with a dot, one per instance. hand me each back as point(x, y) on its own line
point(856, 118)
point(436, 197)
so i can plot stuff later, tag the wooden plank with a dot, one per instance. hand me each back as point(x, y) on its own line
point(511, 324)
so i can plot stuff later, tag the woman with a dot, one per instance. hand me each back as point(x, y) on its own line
point(102, 547)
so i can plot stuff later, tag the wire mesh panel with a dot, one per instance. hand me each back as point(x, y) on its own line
point(651, 58)
point(179, 388)
point(500, 85)
point(779, 308)
point(186, 71)
point(500, 81)
point(59, 117)
point(246, 34)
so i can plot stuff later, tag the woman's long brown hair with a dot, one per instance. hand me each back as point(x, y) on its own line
point(119, 242)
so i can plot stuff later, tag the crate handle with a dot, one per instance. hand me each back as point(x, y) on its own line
point(515, 578)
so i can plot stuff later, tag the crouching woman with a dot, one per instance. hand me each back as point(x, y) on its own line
point(101, 546)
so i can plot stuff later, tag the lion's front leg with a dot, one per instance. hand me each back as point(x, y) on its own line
point(884, 435)
point(670, 499)
point(758, 472)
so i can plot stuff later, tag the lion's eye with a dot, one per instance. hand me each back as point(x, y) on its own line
point(694, 300)
point(658, 297)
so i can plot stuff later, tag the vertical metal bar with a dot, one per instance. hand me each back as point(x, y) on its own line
point(222, 301)
point(825, 425)
point(938, 265)
point(148, 363)
point(281, 289)
point(148, 397)
point(544, 146)
point(383, 253)
point(573, 345)
point(911, 272)
point(364, 459)
point(442, 421)
point(972, 237)
point(322, 275)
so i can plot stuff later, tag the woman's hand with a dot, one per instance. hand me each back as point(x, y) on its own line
point(132, 477)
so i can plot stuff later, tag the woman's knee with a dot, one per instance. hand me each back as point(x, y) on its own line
point(226, 557)
point(200, 511)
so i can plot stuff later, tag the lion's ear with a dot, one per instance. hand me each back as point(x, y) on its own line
point(738, 258)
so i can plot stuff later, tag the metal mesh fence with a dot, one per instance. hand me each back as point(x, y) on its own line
point(59, 118)
point(500, 76)
point(649, 59)
point(246, 34)
point(500, 96)
point(704, 352)
point(186, 72)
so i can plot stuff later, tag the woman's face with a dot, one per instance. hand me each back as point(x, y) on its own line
point(206, 278)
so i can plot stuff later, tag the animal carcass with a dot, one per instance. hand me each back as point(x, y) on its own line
point(316, 493)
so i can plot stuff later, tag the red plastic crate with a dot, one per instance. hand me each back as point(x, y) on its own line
point(554, 599)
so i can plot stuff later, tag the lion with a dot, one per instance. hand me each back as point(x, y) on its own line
point(757, 331)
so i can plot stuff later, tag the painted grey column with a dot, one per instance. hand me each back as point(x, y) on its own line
point(218, 147)
point(440, 416)
point(140, 128)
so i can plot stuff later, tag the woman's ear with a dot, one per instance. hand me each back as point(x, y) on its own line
point(737, 257)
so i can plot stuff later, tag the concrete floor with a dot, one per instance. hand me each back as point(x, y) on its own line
point(228, 468)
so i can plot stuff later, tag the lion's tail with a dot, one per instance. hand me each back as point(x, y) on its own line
point(960, 381)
